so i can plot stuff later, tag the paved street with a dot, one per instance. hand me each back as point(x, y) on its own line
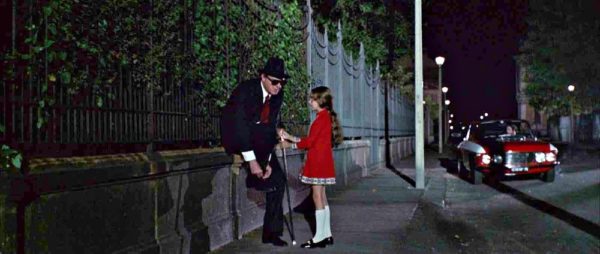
point(384, 214)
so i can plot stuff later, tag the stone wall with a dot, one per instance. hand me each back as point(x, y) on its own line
point(175, 202)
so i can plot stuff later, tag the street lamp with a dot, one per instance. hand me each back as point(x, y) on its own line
point(486, 114)
point(440, 61)
point(481, 117)
point(446, 131)
point(571, 88)
point(451, 115)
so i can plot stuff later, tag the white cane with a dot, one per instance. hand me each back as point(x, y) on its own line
point(287, 191)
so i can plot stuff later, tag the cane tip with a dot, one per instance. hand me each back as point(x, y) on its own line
point(293, 242)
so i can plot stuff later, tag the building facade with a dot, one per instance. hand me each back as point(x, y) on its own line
point(538, 120)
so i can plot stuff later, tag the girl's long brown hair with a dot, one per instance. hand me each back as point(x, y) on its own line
point(322, 95)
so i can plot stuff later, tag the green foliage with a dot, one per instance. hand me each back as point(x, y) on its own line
point(158, 45)
point(92, 44)
point(233, 44)
point(561, 49)
point(384, 30)
point(433, 107)
point(10, 159)
point(547, 90)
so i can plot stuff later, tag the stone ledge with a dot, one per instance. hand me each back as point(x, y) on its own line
point(49, 164)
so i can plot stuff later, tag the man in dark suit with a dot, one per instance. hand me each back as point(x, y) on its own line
point(249, 123)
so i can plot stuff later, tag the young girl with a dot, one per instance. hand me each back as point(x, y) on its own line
point(319, 171)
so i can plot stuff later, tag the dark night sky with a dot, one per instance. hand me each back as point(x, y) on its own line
point(478, 40)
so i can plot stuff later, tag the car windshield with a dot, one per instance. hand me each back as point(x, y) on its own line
point(505, 130)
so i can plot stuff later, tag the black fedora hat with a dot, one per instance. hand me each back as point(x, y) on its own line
point(275, 68)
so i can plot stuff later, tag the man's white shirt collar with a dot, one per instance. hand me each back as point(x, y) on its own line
point(264, 91)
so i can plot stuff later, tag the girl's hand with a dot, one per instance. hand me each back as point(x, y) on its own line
point(284, 135)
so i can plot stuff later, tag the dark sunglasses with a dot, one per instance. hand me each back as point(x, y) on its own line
point(277, 81)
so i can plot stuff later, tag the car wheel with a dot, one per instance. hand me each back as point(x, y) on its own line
point(474, 175)
point(459, 165)
point(549, 176)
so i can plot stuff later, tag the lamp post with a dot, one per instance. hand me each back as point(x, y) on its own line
point(446, 123)
point(440, 61)
point(485, 114)
point(444, 91)
point(571, 88)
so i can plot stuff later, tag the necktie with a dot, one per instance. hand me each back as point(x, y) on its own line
point(264, 114)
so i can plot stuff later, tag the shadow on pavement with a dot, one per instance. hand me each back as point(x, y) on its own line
point(434, 231)
point(559, 213)
point(452, 168)
point(541, 205)
point(401, 175)
point(307, 209)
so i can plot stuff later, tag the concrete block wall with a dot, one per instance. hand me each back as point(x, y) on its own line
point(400, 148)
point(180, 203)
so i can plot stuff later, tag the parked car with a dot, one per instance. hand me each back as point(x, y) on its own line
point(493, 149)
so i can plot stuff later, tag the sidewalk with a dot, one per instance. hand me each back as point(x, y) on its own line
point(372, 216)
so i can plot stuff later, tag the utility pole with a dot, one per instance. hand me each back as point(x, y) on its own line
point(419, 137)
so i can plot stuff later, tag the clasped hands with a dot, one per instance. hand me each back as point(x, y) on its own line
point(256, 170)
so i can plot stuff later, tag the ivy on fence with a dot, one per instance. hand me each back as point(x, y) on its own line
point(92, 46)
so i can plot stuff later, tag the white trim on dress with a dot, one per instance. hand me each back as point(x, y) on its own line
point(316, 180)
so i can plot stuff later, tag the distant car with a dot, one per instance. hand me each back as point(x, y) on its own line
point(489, 150)
point(456, 134)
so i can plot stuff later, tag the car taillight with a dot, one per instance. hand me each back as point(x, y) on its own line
point(550, 157)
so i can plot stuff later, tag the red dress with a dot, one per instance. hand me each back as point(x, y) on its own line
point(319, 168)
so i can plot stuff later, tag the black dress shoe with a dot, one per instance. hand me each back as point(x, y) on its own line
point(311, 245)
point(329, 240)
point(275, 240)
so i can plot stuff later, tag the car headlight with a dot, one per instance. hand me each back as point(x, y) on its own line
point(540, 157)
point(497, 159)
point(551, 157)
point(486, 159)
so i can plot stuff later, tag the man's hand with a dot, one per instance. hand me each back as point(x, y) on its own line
point(267, 172)
point(255, 169)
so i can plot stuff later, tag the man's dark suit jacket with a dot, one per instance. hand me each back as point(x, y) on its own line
point(242, 131)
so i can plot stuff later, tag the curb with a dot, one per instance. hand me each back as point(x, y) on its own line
point(435, 190)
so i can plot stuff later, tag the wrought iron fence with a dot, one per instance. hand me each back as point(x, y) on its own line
point(138, 118)
point(135, 118)
point(363, 101)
